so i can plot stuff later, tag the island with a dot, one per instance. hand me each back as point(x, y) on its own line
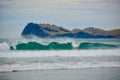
point(53, 31)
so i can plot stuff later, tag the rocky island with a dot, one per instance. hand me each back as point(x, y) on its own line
point(53, 31)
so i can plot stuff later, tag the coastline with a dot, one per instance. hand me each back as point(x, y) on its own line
point(64, 74)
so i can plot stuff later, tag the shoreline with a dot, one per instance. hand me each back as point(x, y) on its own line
point(13, 71)
point(110, 73)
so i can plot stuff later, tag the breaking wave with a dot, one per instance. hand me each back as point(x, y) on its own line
point(88, 45)
point(38, 46)
point(58, 44)
point(62, 46)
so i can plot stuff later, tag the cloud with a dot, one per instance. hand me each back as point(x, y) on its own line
point(55, 5)
point(70, 13)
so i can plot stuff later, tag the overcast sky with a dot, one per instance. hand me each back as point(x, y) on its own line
point(15, 14)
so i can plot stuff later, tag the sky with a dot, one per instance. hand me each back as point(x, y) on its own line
point(15, 14)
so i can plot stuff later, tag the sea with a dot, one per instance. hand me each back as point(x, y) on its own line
point(58, 54)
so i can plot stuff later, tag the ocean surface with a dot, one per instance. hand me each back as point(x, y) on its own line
point(61, 53)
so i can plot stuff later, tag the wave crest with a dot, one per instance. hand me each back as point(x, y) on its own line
point(62, 46)
point(4, 46)
point(88, 45)
point(38, 46)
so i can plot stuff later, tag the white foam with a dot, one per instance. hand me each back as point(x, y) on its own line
point(61, 53)
point(44, 66)
point(4, 46)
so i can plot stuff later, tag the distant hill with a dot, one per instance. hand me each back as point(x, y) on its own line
point(53, 31)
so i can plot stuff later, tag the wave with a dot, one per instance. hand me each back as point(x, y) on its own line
point(4, 46)
point(21, 60)
point(58, 44)
point(52, 60)
point(38, 46)
point(34, 45)
point(56, 66)
point(62, 46)
point(88, 45)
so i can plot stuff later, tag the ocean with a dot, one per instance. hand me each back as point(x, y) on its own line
point(58, 54)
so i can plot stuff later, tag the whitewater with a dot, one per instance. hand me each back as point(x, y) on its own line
point(49, 54)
